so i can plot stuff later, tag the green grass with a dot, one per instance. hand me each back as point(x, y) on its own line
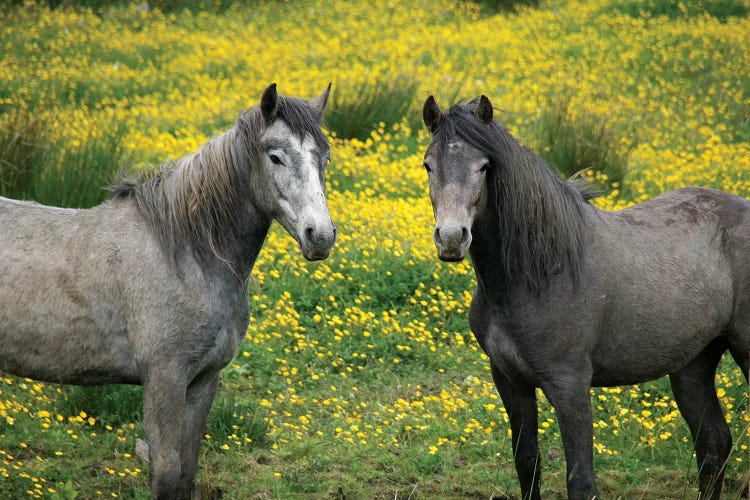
point(214, 6)
point(24, 147)
point(491, 7)
point(572, 143)
point(673, 9)
point(52, 172)
point(113, 405)
point(235, 419)
point(355, 110)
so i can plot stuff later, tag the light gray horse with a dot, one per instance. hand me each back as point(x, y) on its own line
point(151, 287)
point(569, 296)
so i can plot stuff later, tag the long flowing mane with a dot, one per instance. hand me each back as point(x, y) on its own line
point(196, 201)
point(539, 215)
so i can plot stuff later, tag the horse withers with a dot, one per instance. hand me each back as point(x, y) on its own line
point(151, 287)
point(569, 296)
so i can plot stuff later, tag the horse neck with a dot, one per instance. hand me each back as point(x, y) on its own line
point(213, 189)
point(532, 226)
point(484, 251)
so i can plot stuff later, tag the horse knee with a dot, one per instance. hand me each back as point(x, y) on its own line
point(713, 447)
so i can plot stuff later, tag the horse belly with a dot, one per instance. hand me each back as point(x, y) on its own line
point(65, 349)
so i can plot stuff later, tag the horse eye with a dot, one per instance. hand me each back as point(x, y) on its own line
point(427, 167)
point(484, 167)
point(275, 159)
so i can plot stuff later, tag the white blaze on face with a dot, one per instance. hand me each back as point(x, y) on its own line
point(295, 167)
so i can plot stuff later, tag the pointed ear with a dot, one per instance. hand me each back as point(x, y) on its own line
point(484, 110)
point(319, 103)
point(269, 103)
point(431, 114)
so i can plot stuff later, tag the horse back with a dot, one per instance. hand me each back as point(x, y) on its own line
point(719, 220)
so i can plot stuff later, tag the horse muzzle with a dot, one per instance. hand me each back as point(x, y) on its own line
point(452, 241)
point(316, 242)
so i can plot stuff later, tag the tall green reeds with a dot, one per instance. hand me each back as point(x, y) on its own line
point(33, 166)
point(356, 109)
point(571, 143)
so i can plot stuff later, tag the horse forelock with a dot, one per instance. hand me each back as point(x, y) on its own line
point(302, 119)
point(539, 216)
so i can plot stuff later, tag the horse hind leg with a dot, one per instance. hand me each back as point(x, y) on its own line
point(738, 335)
point(695, 393)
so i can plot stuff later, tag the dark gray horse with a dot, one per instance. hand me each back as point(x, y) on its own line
point(151, 287)
point(569, 296)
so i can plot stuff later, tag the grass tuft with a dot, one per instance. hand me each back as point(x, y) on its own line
point(571, 144)
point(492, 7)
point(24, 146)
point(56, 172)
point(237, 420)
point(357, 109)
point(212, 6)
point(720, 9)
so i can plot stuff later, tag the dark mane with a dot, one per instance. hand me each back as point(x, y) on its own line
point(539, 215)
point(195, 202)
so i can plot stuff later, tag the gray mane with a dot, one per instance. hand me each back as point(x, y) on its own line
point(197, 201)
point(539, 215)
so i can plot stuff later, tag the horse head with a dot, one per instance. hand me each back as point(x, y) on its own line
point(293, 157)
point(457, 174)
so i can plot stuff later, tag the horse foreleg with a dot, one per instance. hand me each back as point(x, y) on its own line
point(569, 394)
point(200, 396)
point(695, 393)
point(163, 412)
point(520, 403)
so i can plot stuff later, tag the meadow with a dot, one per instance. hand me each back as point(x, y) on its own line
point(360, 377)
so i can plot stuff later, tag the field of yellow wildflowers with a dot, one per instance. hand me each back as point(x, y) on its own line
point(359, 377)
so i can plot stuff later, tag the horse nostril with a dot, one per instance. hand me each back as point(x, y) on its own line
point(464, 234)
point(309, 234)
point(436, 236)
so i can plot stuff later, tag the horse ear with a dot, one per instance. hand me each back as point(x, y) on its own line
point(319, 103)
point(269, 103)
point(484, 110)
point(431, 114)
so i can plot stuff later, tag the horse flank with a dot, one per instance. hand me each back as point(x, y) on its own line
point(539, 215)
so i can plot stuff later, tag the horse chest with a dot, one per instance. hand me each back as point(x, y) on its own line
point(505, 348)
point(225, 344)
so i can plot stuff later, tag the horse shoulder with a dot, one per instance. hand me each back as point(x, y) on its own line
point(506, 346)
point(200, 316)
